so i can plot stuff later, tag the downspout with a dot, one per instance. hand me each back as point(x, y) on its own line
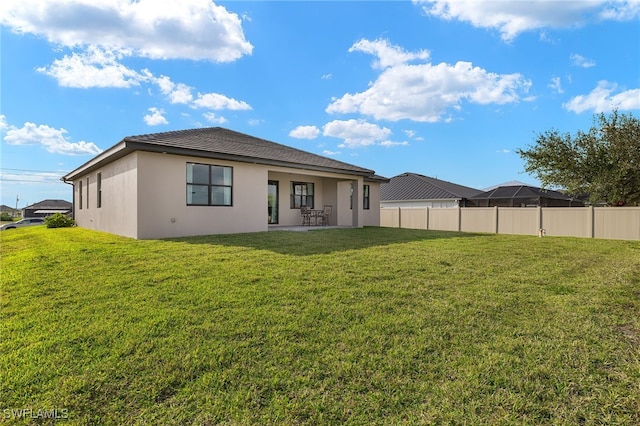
point(73, 198)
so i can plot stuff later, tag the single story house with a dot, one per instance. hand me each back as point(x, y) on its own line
point(215, 181)
point(523, 196)
point(47, 208)
point(9, 210)
point(415, 190)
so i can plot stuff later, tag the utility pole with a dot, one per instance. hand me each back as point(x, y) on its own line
point(17, 199)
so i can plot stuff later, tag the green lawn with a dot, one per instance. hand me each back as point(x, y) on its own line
point(341, 326)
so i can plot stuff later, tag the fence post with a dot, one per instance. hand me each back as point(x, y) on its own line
point(539, 219)
point(399, 217)
point(592, 222)
point(459, 218)
point(427, 217)
point(497, 212)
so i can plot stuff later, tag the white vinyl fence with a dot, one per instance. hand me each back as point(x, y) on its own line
point(622, 223)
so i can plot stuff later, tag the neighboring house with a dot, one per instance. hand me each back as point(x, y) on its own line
point(415, 190)
point(9, 210)
point(215, 181)
point(523, 196)
point(47, 208)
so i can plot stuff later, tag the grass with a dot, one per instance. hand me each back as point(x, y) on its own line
point(346, 326)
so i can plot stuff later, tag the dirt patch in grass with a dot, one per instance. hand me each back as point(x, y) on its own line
point(631, 333)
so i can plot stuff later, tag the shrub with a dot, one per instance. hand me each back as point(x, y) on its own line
point(6, 217)
point(58, 220)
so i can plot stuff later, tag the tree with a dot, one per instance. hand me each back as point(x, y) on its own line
point(603, 162)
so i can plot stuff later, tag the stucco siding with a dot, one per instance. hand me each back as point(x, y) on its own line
point(371, 216)
point(144, 196)
point(163, 211)
point(118, 211)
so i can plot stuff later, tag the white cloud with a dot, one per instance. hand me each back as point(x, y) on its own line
point(621, 10)
point(556, 85)
point(581, 61)
point(305, 132)
point(53, 140)
point(331, 153)
point(3, 122)
point(217, 101)
point(326, 77)
point(356, 133)
point(155, 117)
point(93, 68)
point(511, 18)
point(389, 144)
point(171, 29)
point(424, 92)
point(31, 177)
point(178, 93)
point(601, 99)
point(388, 55)
point(213, 118)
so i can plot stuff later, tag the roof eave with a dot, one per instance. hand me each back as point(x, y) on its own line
point(140, 146)
point(117, 151)
point(126, 146)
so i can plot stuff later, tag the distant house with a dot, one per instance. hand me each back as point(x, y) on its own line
point(47, 208)
point(215, 181)
point(9, 210)
point(415, 190)
point(523, 196)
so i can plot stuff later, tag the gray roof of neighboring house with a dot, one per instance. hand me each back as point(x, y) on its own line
point(521, 192)
point(413, 186)
point(5, 208)
point(220, 143)
point(50, 205)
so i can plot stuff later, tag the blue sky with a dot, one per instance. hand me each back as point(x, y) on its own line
point(448, 89)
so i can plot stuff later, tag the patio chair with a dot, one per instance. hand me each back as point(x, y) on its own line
point(326, 214)
point(306, 215)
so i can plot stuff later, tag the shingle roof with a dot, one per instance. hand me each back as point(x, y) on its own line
point(413, 186)
point(241, 146)
point(521, 192)
point(50, 205)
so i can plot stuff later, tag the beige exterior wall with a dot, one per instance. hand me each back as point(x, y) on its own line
point(119, 211)
point(372, 215)
point(600, 222)
point(144, 196)
point(162, 205)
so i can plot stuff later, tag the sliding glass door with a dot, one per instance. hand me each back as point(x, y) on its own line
point(272, 204)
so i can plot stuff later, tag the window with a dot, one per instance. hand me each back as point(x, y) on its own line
point(80, 194)
point(99, 190)
point(87, 191)
point(365, 197)
point(209, 185)
point(301, 195)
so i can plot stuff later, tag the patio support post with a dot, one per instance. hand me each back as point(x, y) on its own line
point(357, 210)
